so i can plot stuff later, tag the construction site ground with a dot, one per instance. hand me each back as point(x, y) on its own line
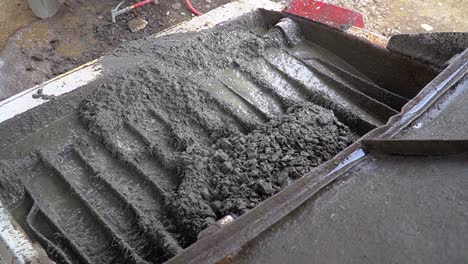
point(34, 50)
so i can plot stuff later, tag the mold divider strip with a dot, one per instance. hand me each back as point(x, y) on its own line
point(72, 244)
point(258, 112)
point(155, 233)
point(373, 107)
point(106, 156)
point(165, 238)
point(169, 127)
point(70, 210)
point(301, 93)
point(391, 99)
point(367, 103)
point(285, 101)
point(210, 126)
point(127, 161)
point(175, 128)
point(98, 191)
point(164, 161)
point(161, 156)
point(51, 247)
point(320, 98)
point(242, 123)
point(138, 132)
point(127, 251)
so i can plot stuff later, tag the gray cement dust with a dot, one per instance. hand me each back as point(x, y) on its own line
point(214, 161)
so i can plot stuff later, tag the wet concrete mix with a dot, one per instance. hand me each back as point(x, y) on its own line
point(225, 165)
point(237, 171)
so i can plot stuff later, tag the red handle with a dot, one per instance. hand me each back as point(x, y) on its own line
point(142, 3)
point(190, 6)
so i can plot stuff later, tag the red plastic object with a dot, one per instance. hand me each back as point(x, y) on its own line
point(142, 3)
point(192, 9)
point(328, 14)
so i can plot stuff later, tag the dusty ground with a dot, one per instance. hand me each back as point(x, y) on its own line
point(80, 32)
point(35, 50)
point(13, 16)
point(390, 17)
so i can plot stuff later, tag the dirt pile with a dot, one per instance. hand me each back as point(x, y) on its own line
point(239, 171)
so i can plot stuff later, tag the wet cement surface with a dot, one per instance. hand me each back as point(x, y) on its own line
point(177, 134)
point(238, 170)
point(415, 212)
point(446, 120)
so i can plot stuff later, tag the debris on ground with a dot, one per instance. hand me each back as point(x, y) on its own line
point(40, 94)
point(176, 6)
point(137, 24)
point(427, 27)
